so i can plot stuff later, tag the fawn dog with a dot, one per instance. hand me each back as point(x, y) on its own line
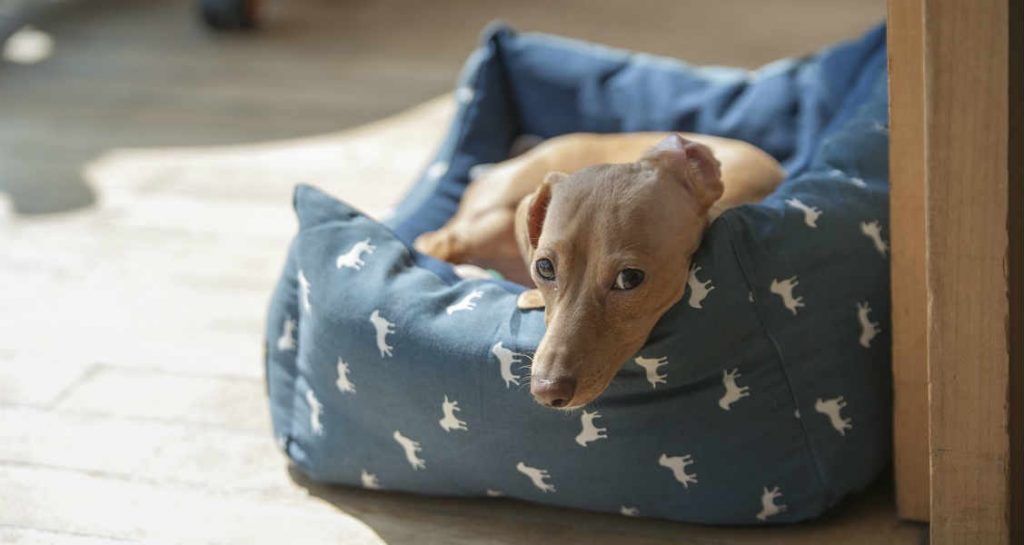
point(607, 245)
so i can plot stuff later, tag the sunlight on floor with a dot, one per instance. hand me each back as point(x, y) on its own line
point(28, 46)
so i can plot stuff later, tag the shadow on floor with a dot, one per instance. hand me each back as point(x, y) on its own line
point(126, 73)
point(408, 519)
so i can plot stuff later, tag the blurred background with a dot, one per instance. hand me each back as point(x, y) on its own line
point(146, 166)
point(150, 73)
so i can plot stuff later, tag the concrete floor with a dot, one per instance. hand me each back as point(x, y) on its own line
point(132, 406)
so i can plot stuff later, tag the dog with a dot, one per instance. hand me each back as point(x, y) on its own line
point(606, 225)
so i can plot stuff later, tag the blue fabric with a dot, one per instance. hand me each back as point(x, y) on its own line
point(773, 389)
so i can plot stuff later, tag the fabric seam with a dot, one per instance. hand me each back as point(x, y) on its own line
point(826, 488)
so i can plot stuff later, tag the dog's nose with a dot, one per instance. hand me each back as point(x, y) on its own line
point(555, 393)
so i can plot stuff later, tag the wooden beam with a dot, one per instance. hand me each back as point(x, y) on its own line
point(1015, 227)
point(908, 270)
point(966, 52)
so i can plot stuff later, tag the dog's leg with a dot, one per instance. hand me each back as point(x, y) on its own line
point(481, 232)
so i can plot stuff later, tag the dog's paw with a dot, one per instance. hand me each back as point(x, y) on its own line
point(431, 243)
point(441, 245)
point(530, 299)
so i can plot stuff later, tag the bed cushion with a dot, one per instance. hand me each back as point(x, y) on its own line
point(763, 396)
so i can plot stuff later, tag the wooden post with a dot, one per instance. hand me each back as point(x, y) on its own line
point(908, 266)
point(967, 129)
point(1015, 226)
point(955, 156)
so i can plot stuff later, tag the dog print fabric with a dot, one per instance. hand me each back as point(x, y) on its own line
point(761, 397)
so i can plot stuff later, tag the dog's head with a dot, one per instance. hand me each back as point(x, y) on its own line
point(609, 248)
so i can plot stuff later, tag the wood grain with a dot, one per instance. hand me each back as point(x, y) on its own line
point(57, 463)
point(908, 265)
point(966, 120)
point(1015, 228)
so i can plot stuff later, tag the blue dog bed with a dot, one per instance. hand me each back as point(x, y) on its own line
point(763, 396)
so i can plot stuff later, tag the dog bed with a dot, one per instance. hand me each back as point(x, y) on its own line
point(762, 397)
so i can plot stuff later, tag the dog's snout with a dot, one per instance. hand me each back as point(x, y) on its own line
point(555, 393)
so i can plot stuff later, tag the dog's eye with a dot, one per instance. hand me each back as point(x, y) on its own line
point(628, 279)
point(545, 268)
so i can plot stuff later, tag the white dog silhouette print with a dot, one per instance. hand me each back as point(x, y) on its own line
point(811, 214)
point(733, 393)
point(698, 290)
point(629, 511)
point(315, 410)
point(859, 182)
point(353, 258)
point(868, 329)
point(768, 506)
point(831, 408)
point(678, 465)
point(450, 421)
point(538, 476)
point(784, 289)
point(286, 342)
point(590, 432)
point(411, 448)
point(343, 383)
point(436, 170)
point(464, 94)
point(651, 366)
point(873, 231)
point(304, 292)
point(369, 480)
point(466, 303)
point(383, 329)
point(506, 358)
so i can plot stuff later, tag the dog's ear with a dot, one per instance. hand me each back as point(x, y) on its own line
point(538, 209)
point(692, 164)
